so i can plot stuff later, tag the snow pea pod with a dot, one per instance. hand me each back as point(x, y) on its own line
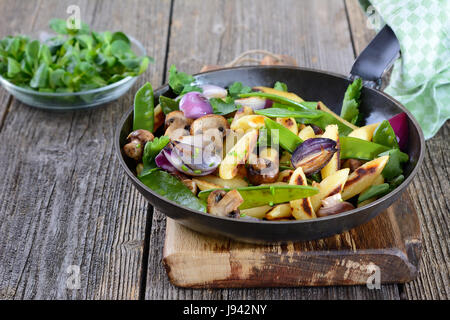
point(268, 195)
point(385, 135)
point(288, 140)
point(278, 99)
point(286, 113)
point(354, 148)
point(374, 191)
point(311, 116)
point(144, 108)
point(173, 189)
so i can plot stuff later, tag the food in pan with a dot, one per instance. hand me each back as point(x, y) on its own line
point(262, 153)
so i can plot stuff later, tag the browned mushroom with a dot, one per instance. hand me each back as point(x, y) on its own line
point(177, 125)
point(353, 164)
point(136, 143)
point(210, 121)
point(334, 205)
point(265, 168)
point(225, 204)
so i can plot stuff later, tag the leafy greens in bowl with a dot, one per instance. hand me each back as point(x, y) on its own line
point(74, 69)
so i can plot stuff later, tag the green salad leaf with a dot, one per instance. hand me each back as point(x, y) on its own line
point(151, 150)
point(173, 189)
point(238, 88)
point(280, 86)
point(223, 107)
point(181, 82)
point(350, 105)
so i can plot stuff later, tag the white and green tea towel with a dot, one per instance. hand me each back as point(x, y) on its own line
point(421, 77)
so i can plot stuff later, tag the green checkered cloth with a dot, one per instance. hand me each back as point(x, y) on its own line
point(421, 78)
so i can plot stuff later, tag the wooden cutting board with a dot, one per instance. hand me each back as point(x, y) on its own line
point(391, 242)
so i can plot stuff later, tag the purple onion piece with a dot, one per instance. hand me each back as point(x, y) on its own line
point(195, 105)
point(313, 154)
point(211, 91)
point(163, 163)
point(255, 103)
point(337, 208)
point(399, 124)
point(192, 160)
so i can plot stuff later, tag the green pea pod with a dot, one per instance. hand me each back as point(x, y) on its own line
point(394, 166)
point(288, 140)
point(286, 113)
point(279, 99)
point(168, 105)
point(354, 148)
point(316, 117)
point(268, 195)
point(397, 181)
point(310, 104)
point(144, 108)
point(374, 191)
point(385, 135)
point(173, 189)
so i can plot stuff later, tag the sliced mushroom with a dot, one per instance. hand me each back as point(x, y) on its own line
point(225, 204)
point(136, 143)
point(265, 169)
point(334, 205)
point(177, 125)
point(210, 121)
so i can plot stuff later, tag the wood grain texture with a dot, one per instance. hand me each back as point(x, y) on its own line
point(428, 192)
point(317, 34)
point(63, 198)
point(391, 242)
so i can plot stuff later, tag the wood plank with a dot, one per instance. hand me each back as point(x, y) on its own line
point(433, 178)
point(63, 197)
point(193, 260)
point(316, 34)
point(161, 288)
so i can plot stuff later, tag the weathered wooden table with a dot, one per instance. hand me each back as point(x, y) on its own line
point(65, 203)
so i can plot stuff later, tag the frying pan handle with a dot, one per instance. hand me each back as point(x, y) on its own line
point(377, 58)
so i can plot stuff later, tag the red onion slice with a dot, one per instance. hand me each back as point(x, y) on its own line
point(211, 91)
point(313, 154)
point(400, 125)
point(192, 160)
point(255, 103)
point(195, 105)
point(163, 163)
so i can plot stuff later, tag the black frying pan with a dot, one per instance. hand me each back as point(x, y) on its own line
point(311, 85)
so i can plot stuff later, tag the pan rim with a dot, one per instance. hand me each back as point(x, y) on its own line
point(339, 216)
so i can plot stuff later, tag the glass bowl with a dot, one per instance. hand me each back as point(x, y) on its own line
point(75, 100)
